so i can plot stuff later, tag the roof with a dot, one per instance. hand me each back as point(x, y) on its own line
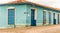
point(17, 1)
point(25, 1)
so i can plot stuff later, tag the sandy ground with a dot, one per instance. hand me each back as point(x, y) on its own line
point(38, 29)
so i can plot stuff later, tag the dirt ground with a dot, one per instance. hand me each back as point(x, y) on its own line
point(38, 29)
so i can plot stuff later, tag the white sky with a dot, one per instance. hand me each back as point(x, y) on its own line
point(52, 3)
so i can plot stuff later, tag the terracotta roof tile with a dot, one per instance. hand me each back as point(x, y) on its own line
point(45, 6)
point(21, 1)
point(17, 1)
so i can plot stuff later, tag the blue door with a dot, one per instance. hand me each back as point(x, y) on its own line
point(33, 21)
point(54, 20)
point(11, 16)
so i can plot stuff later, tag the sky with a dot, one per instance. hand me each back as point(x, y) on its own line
point(52, 3)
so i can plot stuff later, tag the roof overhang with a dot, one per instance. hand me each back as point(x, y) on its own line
point(28, 2)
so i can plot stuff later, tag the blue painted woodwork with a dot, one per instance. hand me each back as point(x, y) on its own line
point(24, 19)
point(33, 21)
point(49, 17)
point(54, 19)
point(11, 16)
point(44, 17)
point(54, 22)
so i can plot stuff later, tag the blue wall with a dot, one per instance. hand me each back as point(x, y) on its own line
point(24, 19)
point(20, 17)
point(39, 20)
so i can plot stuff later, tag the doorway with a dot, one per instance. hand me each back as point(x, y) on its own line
point(33, 21)
point(11, 17)
point(58, 18)
point(54, 19)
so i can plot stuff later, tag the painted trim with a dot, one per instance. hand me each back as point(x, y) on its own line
point(58, 18)
point(11, 7)
point(44, 17)
point(44, 10)
point(35, 13)
point(50, 15)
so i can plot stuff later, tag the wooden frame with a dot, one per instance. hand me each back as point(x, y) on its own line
point(54, 18)
point(44, 17)
point(35, 13)
point(49, 17)
point(11, 7)
point(58, 18)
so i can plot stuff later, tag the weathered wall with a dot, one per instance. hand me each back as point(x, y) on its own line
point(39, 16)
point(20, 17)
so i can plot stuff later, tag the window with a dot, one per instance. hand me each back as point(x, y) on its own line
point(58, 18)
point(49, 17)
point(44, 17)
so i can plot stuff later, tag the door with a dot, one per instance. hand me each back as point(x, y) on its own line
point(11, 17)
point(44, 17)
point(49, 17)
point(33, 21)
point(58, 19)
point(54, 19)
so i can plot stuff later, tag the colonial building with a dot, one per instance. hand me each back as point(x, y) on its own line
point(24, 13)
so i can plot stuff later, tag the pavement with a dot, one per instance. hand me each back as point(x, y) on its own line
point(35, 29)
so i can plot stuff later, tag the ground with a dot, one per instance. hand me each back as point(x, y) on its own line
point(37, 29)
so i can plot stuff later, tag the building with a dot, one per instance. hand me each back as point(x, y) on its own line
point(24, 13)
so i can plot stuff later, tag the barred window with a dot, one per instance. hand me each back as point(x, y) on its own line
point(44, 17)
point(49, 17)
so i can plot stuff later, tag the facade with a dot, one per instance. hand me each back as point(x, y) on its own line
point(27, 14)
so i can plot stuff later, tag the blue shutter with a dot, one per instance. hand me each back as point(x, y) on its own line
point(11, 16)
